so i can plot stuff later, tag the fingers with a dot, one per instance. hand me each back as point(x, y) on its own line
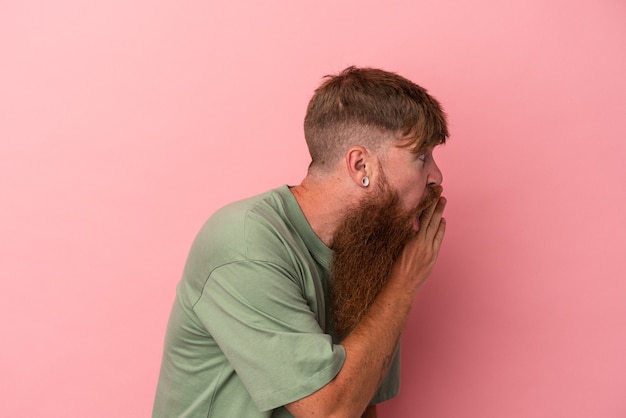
point(439, 235)
point(430, 220)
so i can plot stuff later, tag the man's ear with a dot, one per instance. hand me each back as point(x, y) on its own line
point(359, 165)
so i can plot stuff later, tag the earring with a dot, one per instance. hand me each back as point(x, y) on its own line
point(365, 181)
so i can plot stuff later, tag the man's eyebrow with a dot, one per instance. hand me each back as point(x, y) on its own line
point(423, 149)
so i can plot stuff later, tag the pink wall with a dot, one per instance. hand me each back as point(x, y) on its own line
point(123, 125)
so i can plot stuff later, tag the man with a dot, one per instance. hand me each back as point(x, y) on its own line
point(292, 303)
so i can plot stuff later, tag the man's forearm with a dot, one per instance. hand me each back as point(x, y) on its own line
point(370, 347)
point(369, 350)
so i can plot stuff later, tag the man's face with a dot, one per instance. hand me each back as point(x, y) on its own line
point(372, 235)
point(408, 175)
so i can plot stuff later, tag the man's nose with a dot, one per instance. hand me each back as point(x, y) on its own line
point(435, 178)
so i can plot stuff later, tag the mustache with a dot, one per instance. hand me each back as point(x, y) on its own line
point(433, 193)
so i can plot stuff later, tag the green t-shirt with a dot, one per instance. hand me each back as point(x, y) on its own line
point(250, 329)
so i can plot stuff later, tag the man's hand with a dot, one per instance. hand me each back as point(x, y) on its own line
point(420, 253)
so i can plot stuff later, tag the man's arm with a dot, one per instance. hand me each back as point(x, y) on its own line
point(372, 343)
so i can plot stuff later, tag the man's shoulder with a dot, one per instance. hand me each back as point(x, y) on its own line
point(265, 206)
point(255, 222)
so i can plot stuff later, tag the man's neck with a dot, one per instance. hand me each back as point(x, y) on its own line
point(324, 203)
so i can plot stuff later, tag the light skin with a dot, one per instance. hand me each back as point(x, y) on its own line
point(324, 199)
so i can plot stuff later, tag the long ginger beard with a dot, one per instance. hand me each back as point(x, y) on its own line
point(366, 245)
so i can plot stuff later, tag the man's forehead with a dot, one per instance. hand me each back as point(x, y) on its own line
point(423, 147)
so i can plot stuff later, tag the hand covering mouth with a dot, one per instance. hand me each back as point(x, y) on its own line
point(432, 197)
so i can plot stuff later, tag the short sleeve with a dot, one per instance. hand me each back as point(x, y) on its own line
point(257, 314)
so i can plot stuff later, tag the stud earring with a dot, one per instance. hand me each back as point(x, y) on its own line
point(365, 181)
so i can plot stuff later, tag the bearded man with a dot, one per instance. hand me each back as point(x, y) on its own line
point(292, 302)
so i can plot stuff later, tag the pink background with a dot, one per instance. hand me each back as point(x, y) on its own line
point(123, 125)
